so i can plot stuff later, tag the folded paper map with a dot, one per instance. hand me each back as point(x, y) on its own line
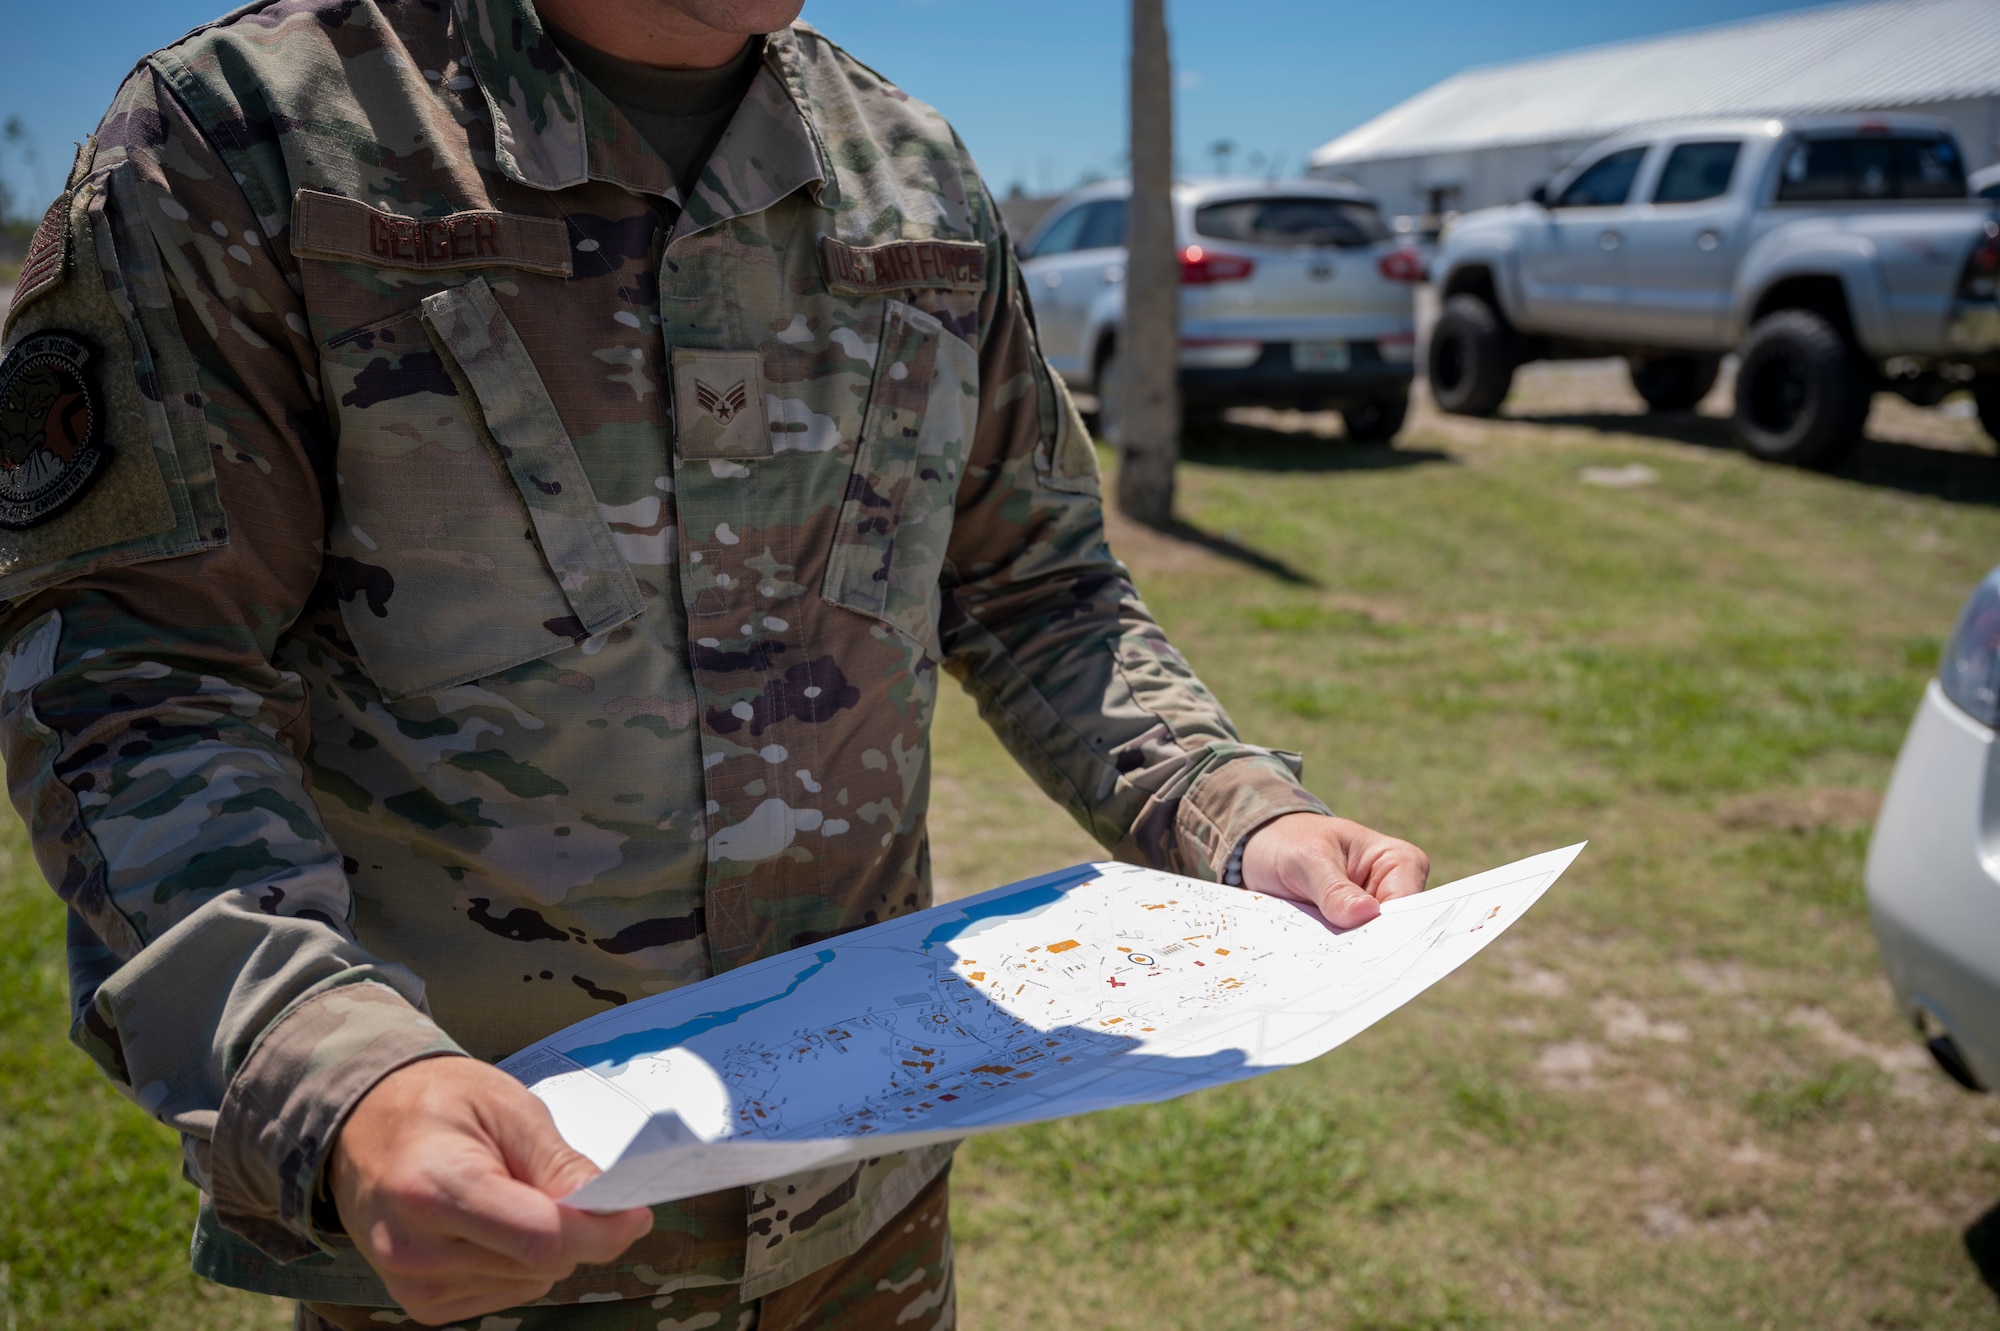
point(1098, 986)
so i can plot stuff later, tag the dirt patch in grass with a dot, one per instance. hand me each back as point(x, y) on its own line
point(1801, 811)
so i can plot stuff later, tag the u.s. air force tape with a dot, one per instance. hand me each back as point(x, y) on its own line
point(51, 442)
point(950, 265)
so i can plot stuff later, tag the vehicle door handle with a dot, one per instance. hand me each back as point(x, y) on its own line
point(1708, 240)
point(1052, 280)
point(1113, 274)
point(1610, 240)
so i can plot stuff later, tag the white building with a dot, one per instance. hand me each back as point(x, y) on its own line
point(1489, 135)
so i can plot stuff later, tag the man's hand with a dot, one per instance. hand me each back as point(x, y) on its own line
point(445, 1175)
point(1343, 869)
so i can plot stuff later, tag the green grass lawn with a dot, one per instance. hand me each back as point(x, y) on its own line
point(1675, 1096)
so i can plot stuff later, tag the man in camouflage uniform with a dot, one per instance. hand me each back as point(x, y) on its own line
point(463, 571)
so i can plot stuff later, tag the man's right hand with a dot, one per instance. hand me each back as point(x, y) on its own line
point(446, 1175)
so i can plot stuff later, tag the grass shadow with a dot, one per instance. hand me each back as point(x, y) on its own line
point(1937, 473)
point(1982, 1245)
point(1237, 552)
point(1254, 448)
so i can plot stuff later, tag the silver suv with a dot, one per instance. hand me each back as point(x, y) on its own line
point(1293, 294)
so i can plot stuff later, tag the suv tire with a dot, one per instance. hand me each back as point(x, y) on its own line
point(1471, 358)
point(1375, 421)
point(1801, 393)
point(1986, 397)
point(1672, 383)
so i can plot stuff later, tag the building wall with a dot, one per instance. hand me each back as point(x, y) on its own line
point(1462, 181)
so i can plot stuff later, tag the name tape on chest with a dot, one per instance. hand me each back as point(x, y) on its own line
point(948, 265)
point(327, 226)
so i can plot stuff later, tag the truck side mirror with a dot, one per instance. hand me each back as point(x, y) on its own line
point(1539, 195)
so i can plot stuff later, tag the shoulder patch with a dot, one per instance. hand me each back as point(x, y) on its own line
point(935, 265)
point(47, 260)
point(51, 444)
point(331, 226)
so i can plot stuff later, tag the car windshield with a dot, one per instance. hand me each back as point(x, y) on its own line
point(1854, 168)
point(1292, 221)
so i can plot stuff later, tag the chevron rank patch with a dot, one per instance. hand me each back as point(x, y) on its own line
point(719, 404)
point(51, 444)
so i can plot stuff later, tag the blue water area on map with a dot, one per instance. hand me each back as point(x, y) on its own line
point(622, 1049)
point(1014, 903)
point(609, 1055)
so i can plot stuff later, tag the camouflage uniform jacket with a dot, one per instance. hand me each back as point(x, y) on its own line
point(518, 583)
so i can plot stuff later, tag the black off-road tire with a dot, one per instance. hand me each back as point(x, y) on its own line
point(1986, 397)
point(1672, 383)
point(1802, 392)
point(1376, 421)
point(1471, 358)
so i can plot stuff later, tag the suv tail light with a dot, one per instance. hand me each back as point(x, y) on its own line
point(1199, 267)
point(1970, 671)
point(1981, 278)
point(1402, 265)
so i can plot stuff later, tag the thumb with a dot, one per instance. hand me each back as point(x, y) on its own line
point(537, 1155)
point(1345, 903)
point(533, 1149)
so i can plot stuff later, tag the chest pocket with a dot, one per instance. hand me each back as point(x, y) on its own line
point(468, 539)
point(895, 517)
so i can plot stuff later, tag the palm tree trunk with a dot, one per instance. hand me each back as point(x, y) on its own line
point(1149, 344)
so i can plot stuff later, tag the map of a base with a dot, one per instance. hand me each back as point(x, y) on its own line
point(1091, 988)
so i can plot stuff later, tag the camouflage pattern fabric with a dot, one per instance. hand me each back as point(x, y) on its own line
point(521, 584)
point(902, 1278)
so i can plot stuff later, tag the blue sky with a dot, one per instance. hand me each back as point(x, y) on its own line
point(1036, 87)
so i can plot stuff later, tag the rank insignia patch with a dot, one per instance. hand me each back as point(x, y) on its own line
point(719, 405)
point(51, 448)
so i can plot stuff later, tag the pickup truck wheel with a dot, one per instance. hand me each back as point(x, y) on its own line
point(1376, 421)
point(1986, 397)
point(1672, 383)
point(1471, 359)
point(1801, 393)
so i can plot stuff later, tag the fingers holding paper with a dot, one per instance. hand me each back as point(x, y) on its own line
point(446, 1175)
point(1337, 866)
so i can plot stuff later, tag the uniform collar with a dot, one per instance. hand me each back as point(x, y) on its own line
point(552, 130)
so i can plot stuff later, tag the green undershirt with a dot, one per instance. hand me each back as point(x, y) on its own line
point(681, 112)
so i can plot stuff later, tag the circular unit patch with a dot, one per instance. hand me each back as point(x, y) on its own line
point(50, 449)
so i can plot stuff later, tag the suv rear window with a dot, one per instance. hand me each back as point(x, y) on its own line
point(1296, 221)
point(1872, 166)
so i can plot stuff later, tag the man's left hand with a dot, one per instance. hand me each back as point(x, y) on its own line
point(1342, 869)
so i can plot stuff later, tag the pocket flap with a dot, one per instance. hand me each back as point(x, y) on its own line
point(469, 327)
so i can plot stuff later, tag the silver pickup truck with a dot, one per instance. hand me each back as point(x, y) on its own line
point(1836, 256)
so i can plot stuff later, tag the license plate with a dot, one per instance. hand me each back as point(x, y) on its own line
point(1320, 357)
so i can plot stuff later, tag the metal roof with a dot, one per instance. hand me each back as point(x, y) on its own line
point(1889, 53)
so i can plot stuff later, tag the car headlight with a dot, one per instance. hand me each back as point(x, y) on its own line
point(1970, 671)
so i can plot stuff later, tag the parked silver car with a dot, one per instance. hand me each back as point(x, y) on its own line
point(1934, 865)
point(1293, 293)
